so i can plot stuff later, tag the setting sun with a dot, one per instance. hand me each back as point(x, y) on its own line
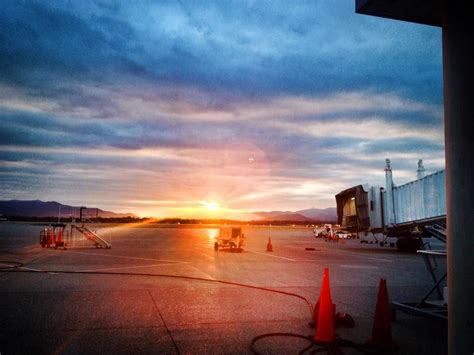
point(212, 205)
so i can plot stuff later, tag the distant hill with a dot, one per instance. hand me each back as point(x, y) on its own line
point(326, 214)
point(37, 208)
point(311, 214)
point(269, 215)
point(293, 217)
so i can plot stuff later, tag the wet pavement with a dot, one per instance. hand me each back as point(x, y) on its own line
point(102, 313)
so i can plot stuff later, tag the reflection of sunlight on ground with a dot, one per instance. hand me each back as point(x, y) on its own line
point(107, 231)
point(212, 234)
point(126, 225)
point(29, 300)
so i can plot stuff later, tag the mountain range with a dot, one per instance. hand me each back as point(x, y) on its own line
point(37, 208)
point(312, 214)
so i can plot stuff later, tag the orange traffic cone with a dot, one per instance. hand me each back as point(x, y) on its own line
point(269, 245)
point(325, 329)
point(314, 323)
point(382, 331)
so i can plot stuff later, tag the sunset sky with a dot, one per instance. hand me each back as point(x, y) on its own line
point(211, 108)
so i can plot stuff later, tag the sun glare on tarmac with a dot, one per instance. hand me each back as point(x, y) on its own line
point(212, 234)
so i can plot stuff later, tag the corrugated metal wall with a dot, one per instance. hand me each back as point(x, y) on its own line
point(420, 199)
point(375, 214)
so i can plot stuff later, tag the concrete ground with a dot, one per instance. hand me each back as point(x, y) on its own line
point(96, 313)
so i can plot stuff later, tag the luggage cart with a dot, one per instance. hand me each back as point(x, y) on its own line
point(54, 236)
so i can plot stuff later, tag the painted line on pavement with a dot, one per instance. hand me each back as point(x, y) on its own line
point(202, 272)
point(21, 267)
point(362, 256)
point(126, 267)
point(274, 256)
point(359, 266)
point(128, 257)
point(28, 268)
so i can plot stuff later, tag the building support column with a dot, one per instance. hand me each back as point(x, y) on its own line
point(459, 141)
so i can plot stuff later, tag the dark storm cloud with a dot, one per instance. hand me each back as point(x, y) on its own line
point(39, 130)
point(43, 46)
point(254, 48)
point(311, 47)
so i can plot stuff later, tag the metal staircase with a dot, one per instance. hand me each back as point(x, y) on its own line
point(437, 231)
point(93, 237)
point(435, 309)
point(86, 232)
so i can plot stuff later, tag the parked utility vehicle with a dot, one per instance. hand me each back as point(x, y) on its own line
point(343, 235)
point(229, 237)
point(323, 231)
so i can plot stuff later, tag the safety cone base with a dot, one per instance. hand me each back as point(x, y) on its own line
point(323, 343)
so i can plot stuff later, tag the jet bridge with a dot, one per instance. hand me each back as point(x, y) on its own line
point(403, 213)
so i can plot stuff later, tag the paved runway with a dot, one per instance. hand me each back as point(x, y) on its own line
point(97, 313)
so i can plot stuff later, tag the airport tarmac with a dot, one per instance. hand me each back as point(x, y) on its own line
point(96, 313)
